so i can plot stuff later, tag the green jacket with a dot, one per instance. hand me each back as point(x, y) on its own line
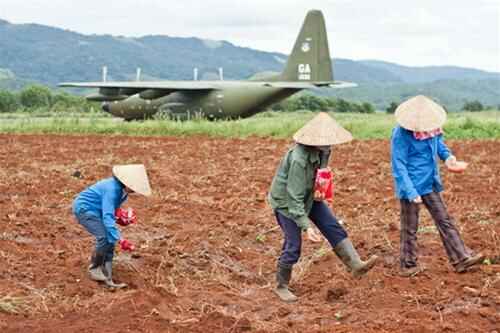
point(291, 192)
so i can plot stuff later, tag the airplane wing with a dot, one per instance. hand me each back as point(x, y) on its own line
point(116, 91)
point(143, 85)
point(310, 85)
point(201, 85)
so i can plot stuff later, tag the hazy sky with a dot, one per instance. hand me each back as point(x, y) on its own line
point(416, 33)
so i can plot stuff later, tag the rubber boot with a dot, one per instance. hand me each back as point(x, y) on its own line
point(108, 269)
point(96, 267)
point(283, 276)
point(471, 261)
point(350, 257)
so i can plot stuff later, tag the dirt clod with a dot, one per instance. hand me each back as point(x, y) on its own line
point(334, 294)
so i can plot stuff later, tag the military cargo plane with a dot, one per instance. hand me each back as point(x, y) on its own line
point(308, 66)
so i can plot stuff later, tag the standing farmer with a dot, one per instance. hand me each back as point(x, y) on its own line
point(417, 143)
point(294, 203)
point(95, 209)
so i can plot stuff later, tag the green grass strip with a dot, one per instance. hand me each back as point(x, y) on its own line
point(478, 125)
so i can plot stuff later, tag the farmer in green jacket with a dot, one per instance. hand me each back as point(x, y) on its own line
point(296, 208)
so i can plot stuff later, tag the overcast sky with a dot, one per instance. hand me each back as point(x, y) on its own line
point(416, 33)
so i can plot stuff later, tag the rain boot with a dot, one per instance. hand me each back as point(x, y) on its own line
point(471, 261)
point(96, 265)
point(283, 276)
point(108, 269)
point(350, 257)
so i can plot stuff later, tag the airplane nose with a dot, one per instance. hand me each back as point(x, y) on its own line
point(105, 107)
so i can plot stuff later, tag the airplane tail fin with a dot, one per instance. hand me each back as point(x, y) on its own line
point(310, 58)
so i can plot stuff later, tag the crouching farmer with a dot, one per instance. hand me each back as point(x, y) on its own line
point(297, 207)
point(95, 209)
point(417, 144)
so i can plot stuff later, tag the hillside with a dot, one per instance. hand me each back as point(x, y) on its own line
point(37, 53)
point(430, 73)
point(452, 93)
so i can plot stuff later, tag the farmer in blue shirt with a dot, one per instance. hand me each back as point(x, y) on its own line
point(95, 209)
point(417, 143)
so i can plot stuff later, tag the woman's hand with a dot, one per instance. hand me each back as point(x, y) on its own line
point(455, 166)
point(313, 235)
point(319, 196)
point(450, 161)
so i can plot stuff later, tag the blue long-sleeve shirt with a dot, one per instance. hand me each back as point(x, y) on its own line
point(101, 200)
point(415, 163)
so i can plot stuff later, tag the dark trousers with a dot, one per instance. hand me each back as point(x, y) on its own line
point(322, 217)
point(94, 226)
point(445, 224)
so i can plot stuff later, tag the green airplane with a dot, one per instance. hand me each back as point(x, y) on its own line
point(308, 66)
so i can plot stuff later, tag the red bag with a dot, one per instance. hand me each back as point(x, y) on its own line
point(125, 217)
point(324, 183)
point(126, 245)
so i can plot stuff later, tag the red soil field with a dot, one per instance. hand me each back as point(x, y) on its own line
point(207, 242)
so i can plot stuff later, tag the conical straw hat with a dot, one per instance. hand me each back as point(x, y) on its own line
point(322, 130)
point(133, 176)
point(420, 114)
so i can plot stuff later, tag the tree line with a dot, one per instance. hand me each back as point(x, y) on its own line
point(471, 106)
point(316, 103)
point(38, 98)
point(41, 98)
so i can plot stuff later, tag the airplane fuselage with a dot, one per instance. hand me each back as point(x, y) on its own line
point(230, 101)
